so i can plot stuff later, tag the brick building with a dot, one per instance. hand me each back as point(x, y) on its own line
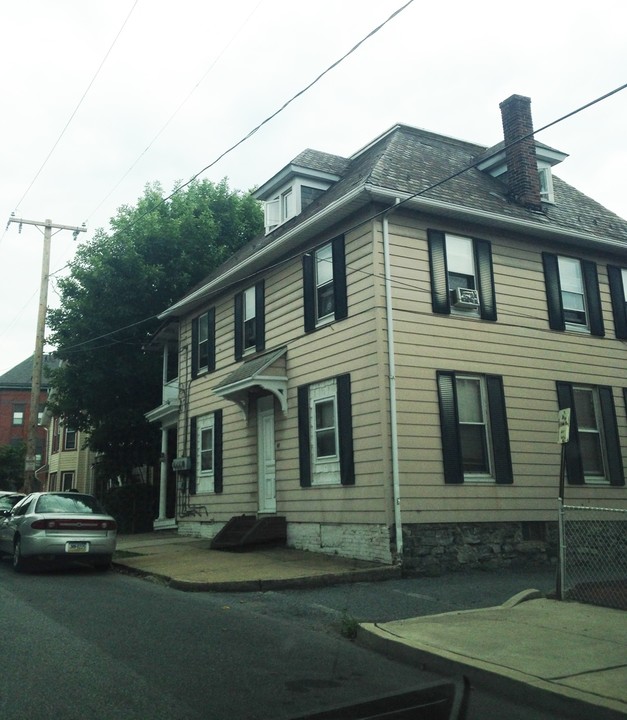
point(15, 396)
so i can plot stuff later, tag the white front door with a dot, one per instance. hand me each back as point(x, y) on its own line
point(265, 451)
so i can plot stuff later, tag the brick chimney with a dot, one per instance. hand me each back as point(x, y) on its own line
point(522, 167)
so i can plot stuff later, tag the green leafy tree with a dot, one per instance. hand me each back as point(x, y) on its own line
point(12, 466)
point(117, 284)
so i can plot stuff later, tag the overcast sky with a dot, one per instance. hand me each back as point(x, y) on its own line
point(133, 91)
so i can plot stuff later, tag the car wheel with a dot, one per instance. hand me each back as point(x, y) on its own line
point(19, 563)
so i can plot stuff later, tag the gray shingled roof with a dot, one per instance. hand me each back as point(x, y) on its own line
point(21, 376)
point(408, 160)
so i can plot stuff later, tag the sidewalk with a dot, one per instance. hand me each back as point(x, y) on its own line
point(188, 563)
point(575, 651)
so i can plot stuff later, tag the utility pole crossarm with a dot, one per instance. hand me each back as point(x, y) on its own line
point(30, 479)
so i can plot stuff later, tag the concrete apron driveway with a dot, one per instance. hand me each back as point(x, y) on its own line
point(187, 563)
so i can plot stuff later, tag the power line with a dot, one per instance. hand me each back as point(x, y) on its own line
point(286, 104)
point(466, 168)
point(179, 107)
point(80, 102)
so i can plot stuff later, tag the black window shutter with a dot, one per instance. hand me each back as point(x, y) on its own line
point(574, 464)
point(449, 424)
point(485, 279)
point(239, 326)
point(499, 431)
point(192, 455)
point(553, 291)
point(217, 451)
point(619, 304)
point(194, 347)
point(339, 278)
point(610, 433)
point(211, 334)
point(304, 447)
point(260, 316)
point(440, 298)
point(593, 297)
point(309, 303)
point(345, 428)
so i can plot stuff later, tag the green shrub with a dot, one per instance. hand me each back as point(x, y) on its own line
point(132, 506)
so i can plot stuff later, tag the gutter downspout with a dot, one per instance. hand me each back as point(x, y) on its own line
point(392, 388)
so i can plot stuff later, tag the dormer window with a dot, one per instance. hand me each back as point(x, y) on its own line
point(287, 205)
point(546, 183)
point(297, 185)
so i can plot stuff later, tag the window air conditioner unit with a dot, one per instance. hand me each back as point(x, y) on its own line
point(181, 464)
point(465, 298)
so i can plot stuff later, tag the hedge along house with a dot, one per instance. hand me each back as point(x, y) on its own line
point(383, 369)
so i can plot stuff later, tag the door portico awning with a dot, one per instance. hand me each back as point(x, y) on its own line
point(265, 371)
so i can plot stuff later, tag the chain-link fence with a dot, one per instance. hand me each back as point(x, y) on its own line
point(594, 555)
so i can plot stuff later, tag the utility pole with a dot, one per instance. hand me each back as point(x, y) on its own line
point(30, 481)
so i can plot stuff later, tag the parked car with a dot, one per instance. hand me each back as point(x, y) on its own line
point(60, 526)
point(8, 499)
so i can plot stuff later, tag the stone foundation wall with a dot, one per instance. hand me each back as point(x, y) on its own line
point(437, 548)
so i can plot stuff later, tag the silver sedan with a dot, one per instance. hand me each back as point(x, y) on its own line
point(65, 526)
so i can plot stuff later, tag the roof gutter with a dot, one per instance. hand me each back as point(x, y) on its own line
point(329, 215)
point(493, 219)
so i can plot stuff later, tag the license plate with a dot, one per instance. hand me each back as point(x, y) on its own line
point(76, 547)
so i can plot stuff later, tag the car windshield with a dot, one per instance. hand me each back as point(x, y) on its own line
point(74, 503)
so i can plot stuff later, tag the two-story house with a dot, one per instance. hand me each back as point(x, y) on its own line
point(15, 402)
point(71, 464)
point(384, 368)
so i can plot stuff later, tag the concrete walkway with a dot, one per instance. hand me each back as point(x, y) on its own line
point(575, 651)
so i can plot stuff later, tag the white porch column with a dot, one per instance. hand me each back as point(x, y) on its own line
point(163, 481)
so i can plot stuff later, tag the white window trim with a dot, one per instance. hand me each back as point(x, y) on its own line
point(248, 349)
point(470, 271)
point(544, 171)
point(325, 471)
point(205, 478)
point(202, 368)
point(329, 317)
point(600, 432)
point(488, 477)
point(575, 327)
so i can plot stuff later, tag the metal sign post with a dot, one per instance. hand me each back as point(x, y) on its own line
point(563, 419)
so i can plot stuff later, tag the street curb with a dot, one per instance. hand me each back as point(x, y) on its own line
point(544, 696)
point(522, 597)
point(311, 581)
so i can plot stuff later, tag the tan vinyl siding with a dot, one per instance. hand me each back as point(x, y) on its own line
point(354, 348)
point(521, 348)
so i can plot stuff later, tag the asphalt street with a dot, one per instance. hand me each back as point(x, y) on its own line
point(80, 643)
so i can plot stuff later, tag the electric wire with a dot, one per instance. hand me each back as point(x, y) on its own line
point(397, 283)
point(178, 108)
point(80, 102)
point(270, 117)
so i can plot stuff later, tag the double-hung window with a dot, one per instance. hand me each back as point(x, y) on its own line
point(69, 442)
point(250, 320)
point(206, 453)
point(593, 452)
point(325, 433)
point(18, 414)
point(203, 343)
point(473, 421)
point(462, 277)
point(573, 297)
point(67, 481)
point(324, 284)
point(617, 277)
